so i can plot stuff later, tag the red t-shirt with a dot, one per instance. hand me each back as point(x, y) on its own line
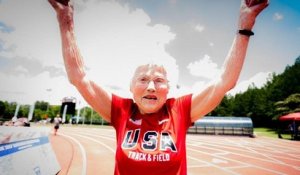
point(151, 144)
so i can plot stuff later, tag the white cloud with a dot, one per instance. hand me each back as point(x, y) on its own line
point(277, 16)
point(34, 34)
point(258, 80)
point(21, 69)
point(27, 90)
point(199, 28)
point(204, 68)
point(113, 40)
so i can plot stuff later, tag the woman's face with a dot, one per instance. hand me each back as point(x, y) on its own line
point(150, 88)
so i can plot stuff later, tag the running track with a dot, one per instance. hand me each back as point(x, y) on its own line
point(91, 150)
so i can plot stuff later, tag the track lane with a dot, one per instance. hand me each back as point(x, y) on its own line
point(205, 154)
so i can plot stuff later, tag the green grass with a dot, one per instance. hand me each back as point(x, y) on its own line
point(269, 132)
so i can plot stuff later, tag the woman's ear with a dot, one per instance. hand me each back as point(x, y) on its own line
point(131, 86)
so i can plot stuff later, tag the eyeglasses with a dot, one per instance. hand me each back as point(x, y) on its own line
point(157, 81)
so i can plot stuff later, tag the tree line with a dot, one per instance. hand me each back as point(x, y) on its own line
point(44, 111)
point(279, 96)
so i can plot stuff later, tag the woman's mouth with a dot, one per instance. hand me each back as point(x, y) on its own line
point(150, 97)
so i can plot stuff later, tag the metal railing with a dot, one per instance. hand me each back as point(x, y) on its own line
point(223, 126)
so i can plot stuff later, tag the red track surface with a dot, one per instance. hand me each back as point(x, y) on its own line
point(85, 150)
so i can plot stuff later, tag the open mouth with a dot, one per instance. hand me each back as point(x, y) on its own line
point(150, 97)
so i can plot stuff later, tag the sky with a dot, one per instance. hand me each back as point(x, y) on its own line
point(190, 37)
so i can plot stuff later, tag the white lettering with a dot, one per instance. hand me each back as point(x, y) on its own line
point(162, 157)
point(130, 139)
point(138, 156)
point(150, 141)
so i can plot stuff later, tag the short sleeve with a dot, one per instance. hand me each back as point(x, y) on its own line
point(120, 110)
point(181, 110)
point(185, 104)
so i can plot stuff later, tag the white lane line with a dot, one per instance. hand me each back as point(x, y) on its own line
point(243, 163)
point(83, 153)
point(213, 165)
point(266, 155)
point(197, 166)
point(107, 130)
point(207, 164)
point(96, 131)
point(105, 136)
point(277, 144)
point(264, 143)
point(111, 138)
point(239, 167)
point(238, 149)
point(97, 141)
point(101, 136)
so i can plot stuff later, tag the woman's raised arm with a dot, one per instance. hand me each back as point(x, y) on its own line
point(95, 95)
point(207, 99)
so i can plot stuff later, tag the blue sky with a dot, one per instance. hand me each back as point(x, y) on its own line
point(191, 36)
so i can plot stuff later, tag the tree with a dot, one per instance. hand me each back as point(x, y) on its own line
point(265, 104)
point(10, 112)
point(225, 107)
point(41, 105)
point(289, 105)
point(23, 111)
point(2, 108)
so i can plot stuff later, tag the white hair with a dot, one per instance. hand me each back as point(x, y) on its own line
point(168, 65)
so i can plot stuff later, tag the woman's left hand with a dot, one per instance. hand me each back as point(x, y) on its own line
point(249, 11)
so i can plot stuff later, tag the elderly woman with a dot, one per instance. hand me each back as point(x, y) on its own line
point(150, 128)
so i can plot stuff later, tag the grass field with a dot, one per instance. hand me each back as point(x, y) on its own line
point(270, 132)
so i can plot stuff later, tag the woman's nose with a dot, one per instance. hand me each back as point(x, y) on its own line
point(151, 86)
